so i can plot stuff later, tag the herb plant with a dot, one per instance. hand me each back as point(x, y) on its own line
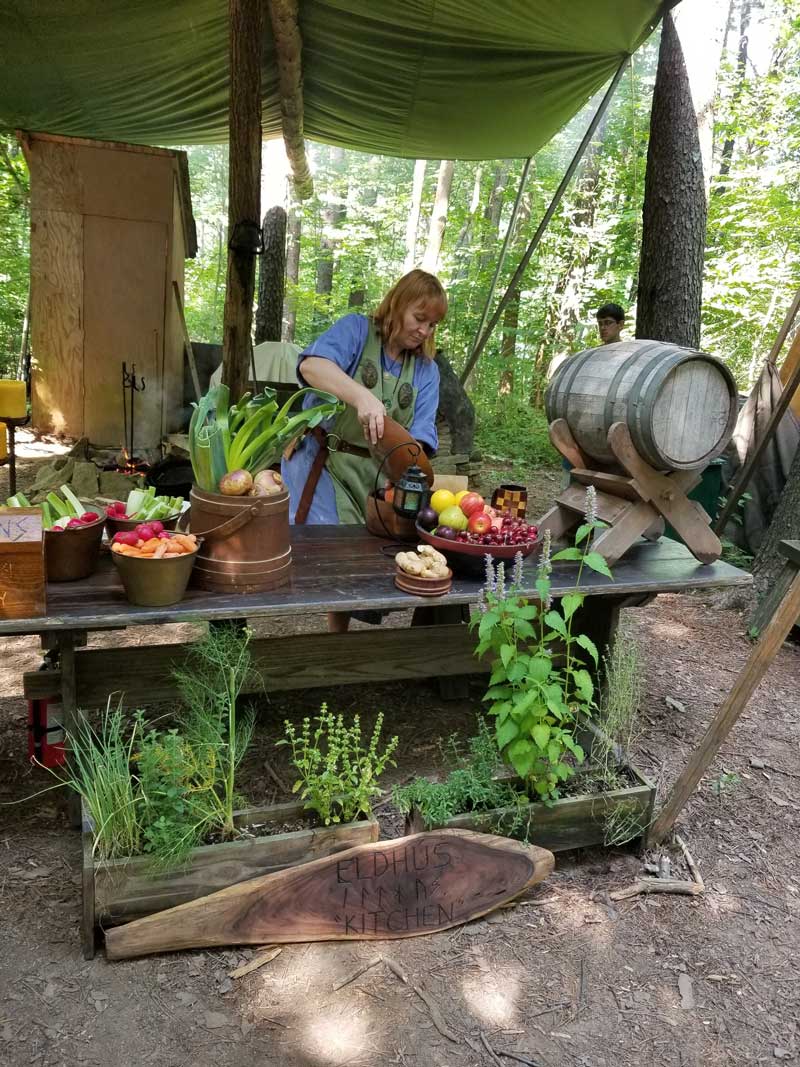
point(540, 683)
point(472, 785)
point(338, 775)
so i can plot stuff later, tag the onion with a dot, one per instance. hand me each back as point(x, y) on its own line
point(236, 483)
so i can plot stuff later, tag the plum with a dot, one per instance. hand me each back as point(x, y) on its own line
point(427, 518)
point(447, 532)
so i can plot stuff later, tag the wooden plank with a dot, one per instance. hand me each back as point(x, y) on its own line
point(571, 822)
point(790, 550)
point(22, 569)
point(130, 888)
point(300, 661)
point(613, 484)
point(400, 888)
point(665, 494)
point(617, 540)
point(87, 896)
point(345, 569)
point(727, 715)
point(57, 381)
point(610, 509)
point(125, 264)
point(563, 441)
point(187, 343)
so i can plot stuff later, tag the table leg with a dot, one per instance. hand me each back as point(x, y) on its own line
point(451, 687)
point(69, 711)
point(12, 461)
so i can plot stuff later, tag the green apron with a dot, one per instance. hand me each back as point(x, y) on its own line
point(354, 476)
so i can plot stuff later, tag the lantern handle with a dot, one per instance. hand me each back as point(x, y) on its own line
point(403, 444)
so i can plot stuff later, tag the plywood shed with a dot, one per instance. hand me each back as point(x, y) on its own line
point(111, 226)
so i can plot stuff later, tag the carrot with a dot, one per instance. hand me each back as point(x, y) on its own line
point(187, 541)
point(161, 551)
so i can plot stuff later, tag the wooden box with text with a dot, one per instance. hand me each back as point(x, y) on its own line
point(22, 571)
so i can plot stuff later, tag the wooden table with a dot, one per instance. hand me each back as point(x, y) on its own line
point(335, 568)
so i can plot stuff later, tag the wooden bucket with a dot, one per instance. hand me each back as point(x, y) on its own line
point(246, 546)
point(679, 404)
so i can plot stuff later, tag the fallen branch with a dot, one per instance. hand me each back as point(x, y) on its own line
point(490, 1051)
point(658, 885)
point(358, 973)
point(519, 1059)
point(690, 862)
point(255, 963)
point(427, 1000)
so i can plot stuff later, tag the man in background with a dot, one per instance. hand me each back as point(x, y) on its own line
point(610, 320)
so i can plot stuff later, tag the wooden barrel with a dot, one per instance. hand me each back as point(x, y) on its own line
point(679, 404)
point(246, 546)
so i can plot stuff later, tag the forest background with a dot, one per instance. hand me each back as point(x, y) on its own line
point(363, 227)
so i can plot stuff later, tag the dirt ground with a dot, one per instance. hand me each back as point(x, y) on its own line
point(565, 977)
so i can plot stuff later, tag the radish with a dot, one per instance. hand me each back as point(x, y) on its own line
point(126, 537)
point(145, 531)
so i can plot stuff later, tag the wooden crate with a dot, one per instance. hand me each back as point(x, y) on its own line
point(22, 571)
point(572, 822)
point(116, 891)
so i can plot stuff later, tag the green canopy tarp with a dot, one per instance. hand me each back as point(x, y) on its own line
point(457, 79)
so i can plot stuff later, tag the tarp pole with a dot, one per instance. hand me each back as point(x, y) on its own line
point(506, 241)
point(559, 193)
point(246, 23)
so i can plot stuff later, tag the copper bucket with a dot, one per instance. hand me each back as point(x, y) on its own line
point(246, 546)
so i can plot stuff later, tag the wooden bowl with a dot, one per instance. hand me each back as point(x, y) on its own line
point(397, 450)
point(411, 583)
point(470, 559)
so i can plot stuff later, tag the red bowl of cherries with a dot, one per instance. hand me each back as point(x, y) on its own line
point(466, 551)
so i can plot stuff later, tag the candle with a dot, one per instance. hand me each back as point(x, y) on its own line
point(12, 399)
point(3, 442)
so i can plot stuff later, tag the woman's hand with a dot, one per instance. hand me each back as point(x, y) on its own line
point(371, 413)
point(323, 374)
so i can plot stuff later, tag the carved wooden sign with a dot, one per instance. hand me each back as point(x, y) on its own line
point(399, 888)
point(22, 571)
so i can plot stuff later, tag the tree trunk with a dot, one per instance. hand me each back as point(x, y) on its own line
point(244, 188)
point(271, 277)
point(412, 223)
point(295, 225)
point(332, 218)
point(492, 213)
point(508, 344)
point(674, 212)
point(785, 526)
point(741, 78)
point(430, 260)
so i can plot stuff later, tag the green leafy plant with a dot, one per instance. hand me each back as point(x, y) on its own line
point(249, 435)
point(539, 682)
point(217, 732)
point(724, 783)
point(472, 785)
point(338, 774)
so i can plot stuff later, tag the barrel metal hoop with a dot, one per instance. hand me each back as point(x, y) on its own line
point(646, 444)
point(662, 373)
point(616, 381)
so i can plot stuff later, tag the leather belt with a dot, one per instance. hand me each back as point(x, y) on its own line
point(328, 442)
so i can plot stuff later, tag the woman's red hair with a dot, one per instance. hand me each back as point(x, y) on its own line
point(417, 285)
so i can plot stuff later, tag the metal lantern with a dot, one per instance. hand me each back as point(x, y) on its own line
point(410, 492)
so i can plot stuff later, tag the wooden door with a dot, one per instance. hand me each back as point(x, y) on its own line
point(125, 265)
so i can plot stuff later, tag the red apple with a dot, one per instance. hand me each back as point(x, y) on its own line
point(470, 503)
point(479, 522)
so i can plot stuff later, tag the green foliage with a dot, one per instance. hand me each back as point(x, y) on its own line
point(338, 775)
point(509, 429)
point(539, 683)
point(99, 771)
point(217, 734)
point(618, 713)
point(175, 782)
point(14, 249)
point(471, 786)
point(724, 783)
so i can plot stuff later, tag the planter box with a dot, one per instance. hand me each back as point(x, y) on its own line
point(116, 891)
point(572, 822)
